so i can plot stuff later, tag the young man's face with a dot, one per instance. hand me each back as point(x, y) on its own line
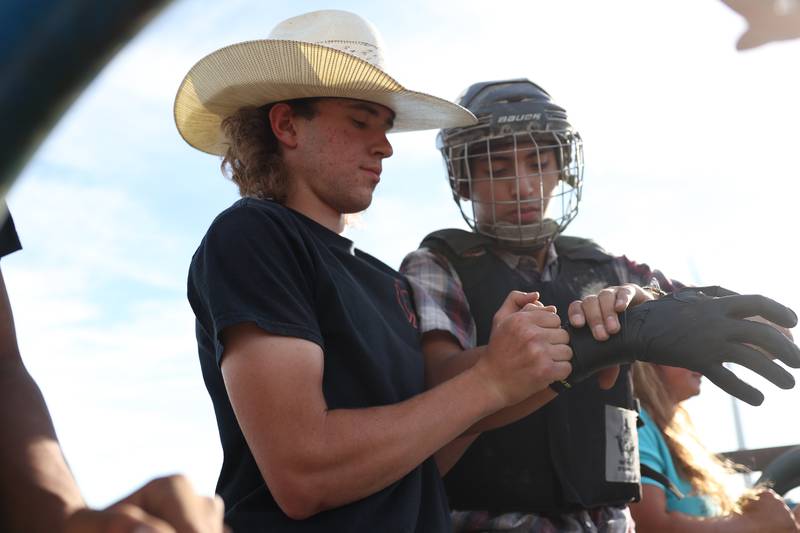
point(341, 151)
point(513, 186)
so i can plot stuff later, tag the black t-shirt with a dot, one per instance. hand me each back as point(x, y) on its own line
point(263, 263)
point(9, 241)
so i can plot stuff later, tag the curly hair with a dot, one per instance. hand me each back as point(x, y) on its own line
point(253, 160)
point(701, 468)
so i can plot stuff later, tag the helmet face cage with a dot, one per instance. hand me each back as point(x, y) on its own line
point(519, 184)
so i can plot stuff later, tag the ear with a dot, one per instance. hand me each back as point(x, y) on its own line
point(282, 121)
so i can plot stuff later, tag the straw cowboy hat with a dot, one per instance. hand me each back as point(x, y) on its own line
point(324, 53)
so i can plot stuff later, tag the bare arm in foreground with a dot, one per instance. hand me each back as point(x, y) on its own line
point(37, 490)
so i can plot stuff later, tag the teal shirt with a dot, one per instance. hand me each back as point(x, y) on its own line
point(654, 453)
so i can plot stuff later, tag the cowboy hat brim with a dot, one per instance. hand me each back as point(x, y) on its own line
point(256, 73)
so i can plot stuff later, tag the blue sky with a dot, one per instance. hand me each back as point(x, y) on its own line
point(691, 167)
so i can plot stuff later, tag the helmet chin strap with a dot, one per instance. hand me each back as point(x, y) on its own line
point(522, 238)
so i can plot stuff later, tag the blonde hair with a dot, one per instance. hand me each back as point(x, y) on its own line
point(701, 468)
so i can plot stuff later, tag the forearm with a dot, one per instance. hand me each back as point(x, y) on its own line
point(37, 490)
point(515, 412)
point(447, 457)
point(351, 454)
point(458, 361)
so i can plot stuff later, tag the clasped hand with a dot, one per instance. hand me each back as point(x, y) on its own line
point(528, 349)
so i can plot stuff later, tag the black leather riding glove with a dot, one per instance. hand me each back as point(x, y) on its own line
point(697, 328)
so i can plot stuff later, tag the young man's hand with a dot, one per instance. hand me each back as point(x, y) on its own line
point(622, 297)
point(164, 505)
point(516, 301)
point(527, 349)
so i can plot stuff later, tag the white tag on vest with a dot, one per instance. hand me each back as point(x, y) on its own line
point(622, 445)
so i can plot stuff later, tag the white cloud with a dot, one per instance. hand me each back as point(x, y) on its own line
point(96, 231)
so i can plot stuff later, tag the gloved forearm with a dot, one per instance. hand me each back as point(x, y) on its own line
point(698, 329)
point(590, 355)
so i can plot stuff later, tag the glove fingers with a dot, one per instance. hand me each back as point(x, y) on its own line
point(755, 304)
point(760, 364)
point(727, 381)
point(768, 338)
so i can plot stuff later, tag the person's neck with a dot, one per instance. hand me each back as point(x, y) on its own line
point(318, 211)
point(673, 408)
point(541, 257)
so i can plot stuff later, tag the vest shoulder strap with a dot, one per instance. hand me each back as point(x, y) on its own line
point(579, 249)
point(456, 241)
point(459, 241)
point(661, 478)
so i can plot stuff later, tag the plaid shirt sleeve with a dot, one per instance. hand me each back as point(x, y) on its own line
point(439, 296)
point(641, 274)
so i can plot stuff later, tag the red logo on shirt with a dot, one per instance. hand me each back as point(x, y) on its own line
point(404, 299)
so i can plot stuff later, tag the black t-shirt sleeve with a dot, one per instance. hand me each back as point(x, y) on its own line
point(9, 240)
point(254, 266)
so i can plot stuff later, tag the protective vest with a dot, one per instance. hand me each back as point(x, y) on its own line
point(580, 450)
